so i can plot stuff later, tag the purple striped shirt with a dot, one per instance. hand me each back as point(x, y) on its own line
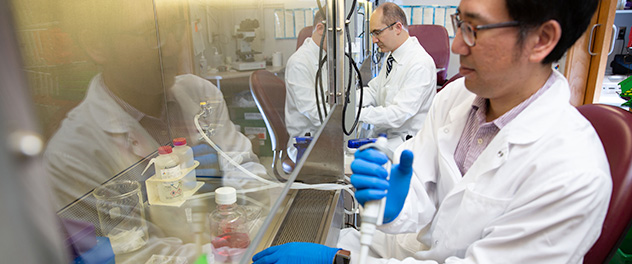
point(478, 133)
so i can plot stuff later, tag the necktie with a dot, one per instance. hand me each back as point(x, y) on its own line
point(389, 64)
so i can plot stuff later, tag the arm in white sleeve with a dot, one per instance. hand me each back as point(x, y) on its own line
point(420, 206)
point(369, 93)
point(301, 92)
point(411, 93)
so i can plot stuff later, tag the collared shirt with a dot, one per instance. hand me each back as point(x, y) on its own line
point(478, 133)
point(397, 104)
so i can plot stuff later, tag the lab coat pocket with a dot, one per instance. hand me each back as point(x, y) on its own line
point(472, 216)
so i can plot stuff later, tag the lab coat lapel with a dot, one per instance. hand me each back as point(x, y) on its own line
point(114, 121)
point(527, 127)
point(491, 159)
point(445, 135)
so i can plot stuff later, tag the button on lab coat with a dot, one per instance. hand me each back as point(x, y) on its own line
point(537, 194)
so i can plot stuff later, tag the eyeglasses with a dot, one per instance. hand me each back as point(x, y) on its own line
point(468, 32)
point(376, 33)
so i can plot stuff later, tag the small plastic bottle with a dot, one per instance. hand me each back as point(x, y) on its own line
point(167, 167)
point(185, 154)
point(229, 233)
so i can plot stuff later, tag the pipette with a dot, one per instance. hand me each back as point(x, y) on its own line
point(373, 213)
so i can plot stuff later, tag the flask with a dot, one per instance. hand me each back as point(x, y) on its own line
point(229, 234)
point(185, 155)
point(168, 167)
point(203, 65)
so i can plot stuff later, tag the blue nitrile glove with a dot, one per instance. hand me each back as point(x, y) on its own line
point(369, 179)
point(207, 156)
point(296, 252)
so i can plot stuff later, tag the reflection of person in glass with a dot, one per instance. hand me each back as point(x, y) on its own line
point(137, 102)
point(301, 113)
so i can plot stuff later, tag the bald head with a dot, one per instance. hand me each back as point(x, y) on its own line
point(388, 27)
point(392, 13)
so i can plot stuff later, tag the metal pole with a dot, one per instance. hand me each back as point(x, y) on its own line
point(335, 50)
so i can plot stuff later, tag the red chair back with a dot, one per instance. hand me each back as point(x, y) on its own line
point(268, 91)
point(306, 32)
point(435, 40)
point(614, 127)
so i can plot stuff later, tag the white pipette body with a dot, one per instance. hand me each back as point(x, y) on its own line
point(373, 213)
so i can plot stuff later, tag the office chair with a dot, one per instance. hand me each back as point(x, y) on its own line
point(268, 90)
point(614, 127)
point(435, 40)
point(306, 32)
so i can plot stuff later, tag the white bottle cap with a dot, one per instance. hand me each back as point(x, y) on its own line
point(225, 195)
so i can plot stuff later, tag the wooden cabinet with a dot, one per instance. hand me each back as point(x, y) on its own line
point(584, 71)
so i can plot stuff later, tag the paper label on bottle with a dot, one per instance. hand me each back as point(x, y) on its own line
point(170, 173)
point(171, 191)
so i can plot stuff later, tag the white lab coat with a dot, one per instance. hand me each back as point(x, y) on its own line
point(537, 194)
point(398, 104)
point(301, 114)
point(98, 139)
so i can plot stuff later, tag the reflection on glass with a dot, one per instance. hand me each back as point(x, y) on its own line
point(306, 84)
point(114, 80)
point(122, 215)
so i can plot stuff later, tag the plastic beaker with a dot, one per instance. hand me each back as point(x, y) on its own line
point(122, 215)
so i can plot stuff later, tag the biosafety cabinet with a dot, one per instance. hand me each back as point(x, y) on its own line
point(93, 89)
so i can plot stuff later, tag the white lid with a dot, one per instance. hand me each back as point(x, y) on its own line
point(225, 195)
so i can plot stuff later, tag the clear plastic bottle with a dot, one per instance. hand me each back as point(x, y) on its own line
point(203, 64)
point(185, 154)
point(167, 167)
point(229, 232)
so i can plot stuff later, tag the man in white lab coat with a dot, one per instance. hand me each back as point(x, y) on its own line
point(396, 102)
point(301, 111)
point(138, 102)
point(505, 169)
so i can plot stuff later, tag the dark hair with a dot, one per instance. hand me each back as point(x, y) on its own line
point(573, 16)
point(392, 13)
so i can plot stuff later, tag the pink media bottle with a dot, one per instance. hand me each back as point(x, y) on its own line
point(229, 232)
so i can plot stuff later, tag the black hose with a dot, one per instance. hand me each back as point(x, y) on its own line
point(347, 93)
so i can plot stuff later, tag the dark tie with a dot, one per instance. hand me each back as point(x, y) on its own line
point(389, 64)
